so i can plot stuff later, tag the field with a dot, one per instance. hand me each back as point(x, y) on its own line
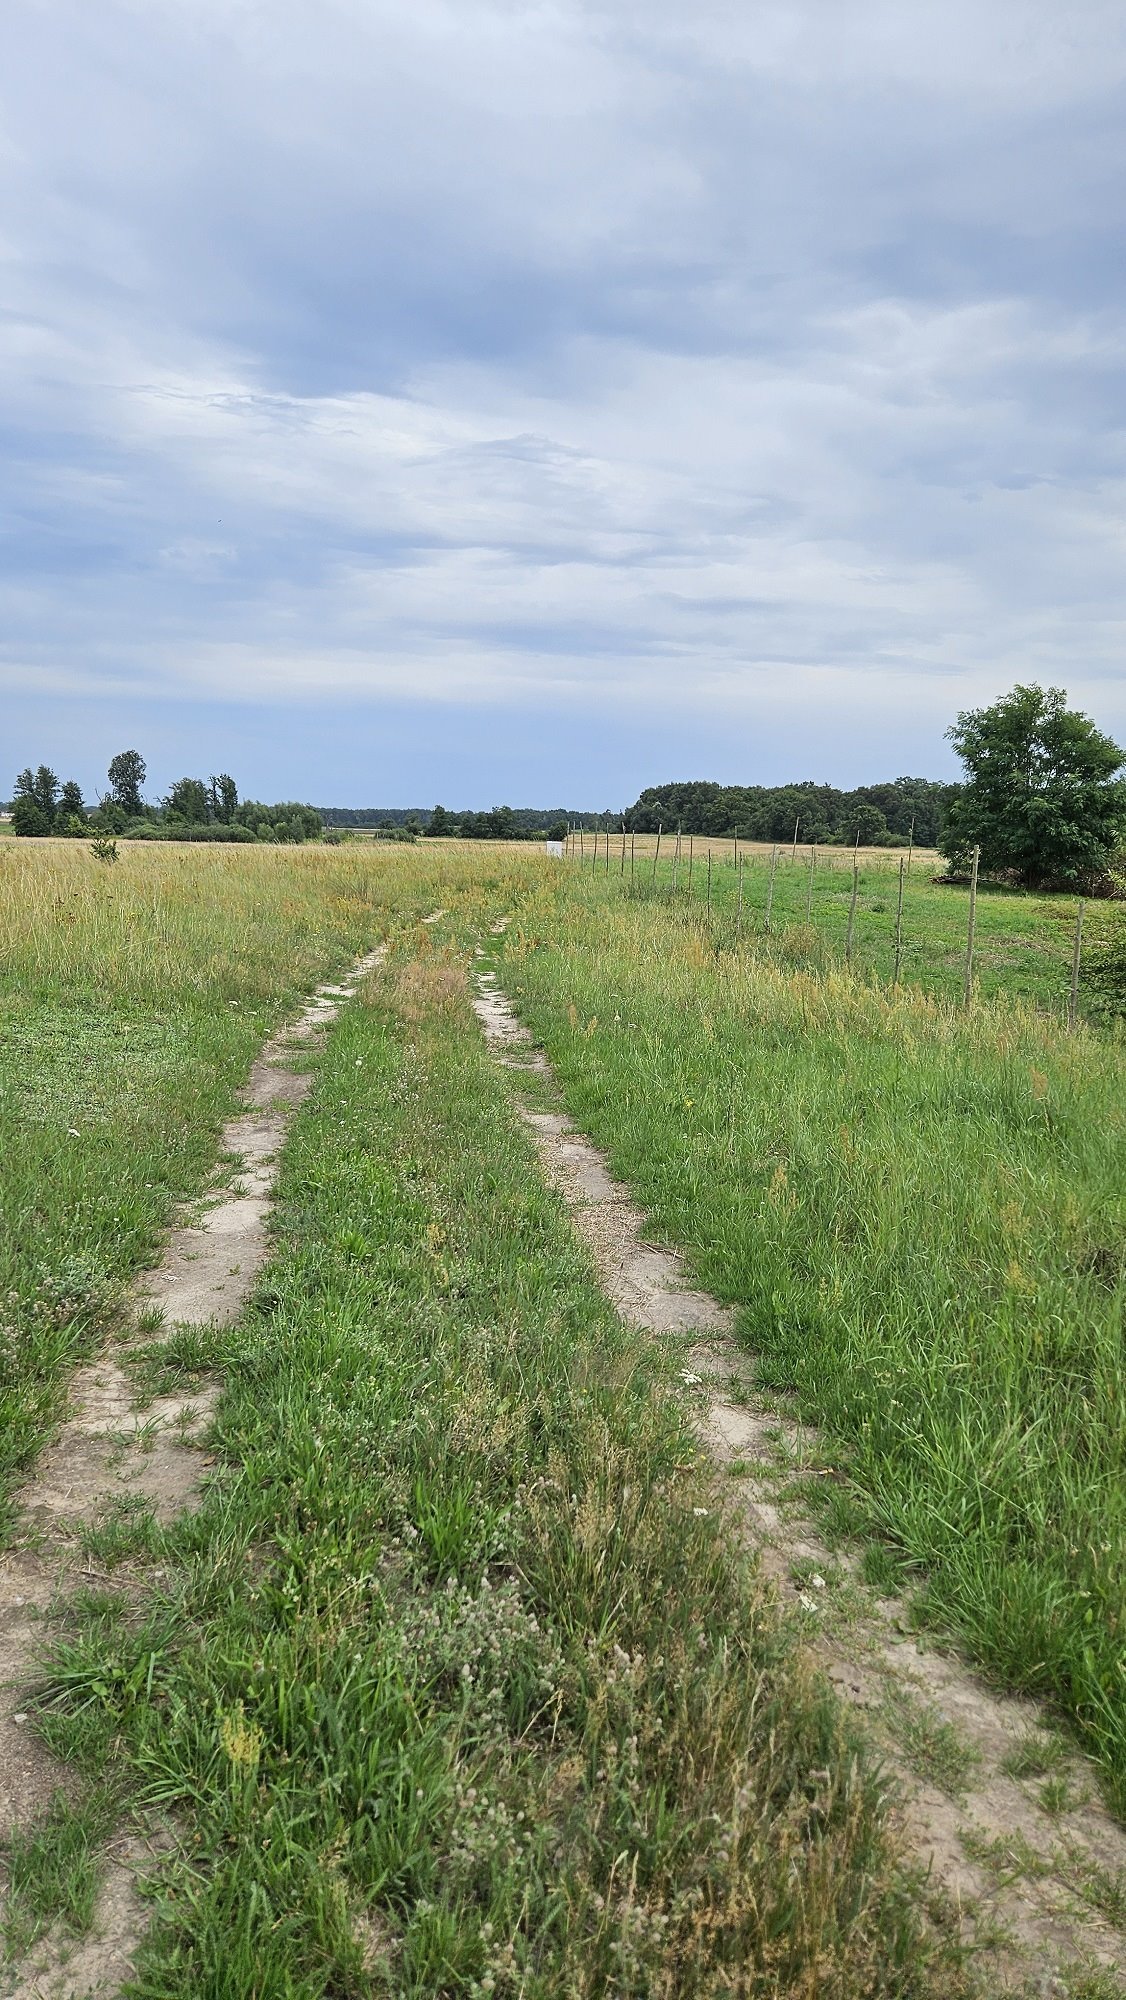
point(459, 1679)
point(1023, 943)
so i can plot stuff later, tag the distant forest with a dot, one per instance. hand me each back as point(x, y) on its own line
point(501, 823)
point(876, 814)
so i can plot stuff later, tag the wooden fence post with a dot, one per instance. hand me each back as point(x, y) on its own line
point(739, 916)
point(852, 907)
point(899, 924)
point(656, 855)
point(709, 883)
point(623, 868)
point(794, 851)
point(910, 843)
point(770, 886)
point(632, 860)
point(691, 849)
point(809, 885)
point(968, 982)
point(1076, 955)
point(676, 858)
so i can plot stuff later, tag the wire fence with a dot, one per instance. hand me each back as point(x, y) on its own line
point(889, 918)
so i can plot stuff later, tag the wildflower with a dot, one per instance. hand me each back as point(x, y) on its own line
point(240, 1739)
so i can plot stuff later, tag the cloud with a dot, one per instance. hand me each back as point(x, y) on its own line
point(748, 363)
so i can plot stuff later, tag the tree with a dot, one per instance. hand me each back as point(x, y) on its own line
point(28, 818)
point(1042, 798)
point(71, 803)
point(36, 800)
point(187, 799)
point(441, 822)
point(126, 776)
point(868, 824)
point(223, 798)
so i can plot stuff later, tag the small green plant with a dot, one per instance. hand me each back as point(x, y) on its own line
point(103, 848)
point(933, 1748)
point(1036, 1755)
point(52, 1869)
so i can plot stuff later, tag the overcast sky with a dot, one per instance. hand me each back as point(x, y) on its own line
point(487, 401)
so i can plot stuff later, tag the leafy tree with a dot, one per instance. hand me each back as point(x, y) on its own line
point(188, 800)
point(71, 802)
point(28, 818)
point(1041, 798)
point(109, 817)
point(126, 776)
point(35, 803)
point(441, 822)
point(868, 823)
point(222, 793)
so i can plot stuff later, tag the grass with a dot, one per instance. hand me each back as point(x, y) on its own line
point(53, 1869)
point(920, 1216)
point(457, 1682)
point(1023, 942)
point(132, 1000)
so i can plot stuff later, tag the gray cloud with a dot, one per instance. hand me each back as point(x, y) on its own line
point(753, 364)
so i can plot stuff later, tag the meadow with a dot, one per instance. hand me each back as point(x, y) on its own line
point(1023, 942)
point(919, 1213)
point(459, 1679)
point(132, 999)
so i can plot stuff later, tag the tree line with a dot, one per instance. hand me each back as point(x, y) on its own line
point(499, 823)
point(1042, 801)
point(192, 809)
point(876, 815)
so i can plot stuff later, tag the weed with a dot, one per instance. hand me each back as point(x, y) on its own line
point(52, 1868)
point(934, 1749)
point(910, 1209)
point(457, 1651)
point(1036, 1755)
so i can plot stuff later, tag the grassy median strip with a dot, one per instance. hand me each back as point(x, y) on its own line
point(921, 1215)
point(457, 1683)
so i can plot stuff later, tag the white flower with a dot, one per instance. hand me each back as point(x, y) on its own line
point(687, 1376)
point(701, 1513)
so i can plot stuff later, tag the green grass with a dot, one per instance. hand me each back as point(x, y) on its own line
point(132, 1001)
point(1023, 941)
point(458, 1683)
point(920, 1216)
point(53, 1868)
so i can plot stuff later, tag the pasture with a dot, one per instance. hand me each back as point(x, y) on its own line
point(459, 1679)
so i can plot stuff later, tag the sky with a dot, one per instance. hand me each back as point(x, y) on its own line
point(484, 401)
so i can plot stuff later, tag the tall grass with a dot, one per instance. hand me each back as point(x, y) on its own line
point(457, 1683)
point(922, 1218)
point(1024, 941)
point(132, 998)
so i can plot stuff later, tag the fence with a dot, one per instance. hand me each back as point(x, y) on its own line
point(793, 893)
